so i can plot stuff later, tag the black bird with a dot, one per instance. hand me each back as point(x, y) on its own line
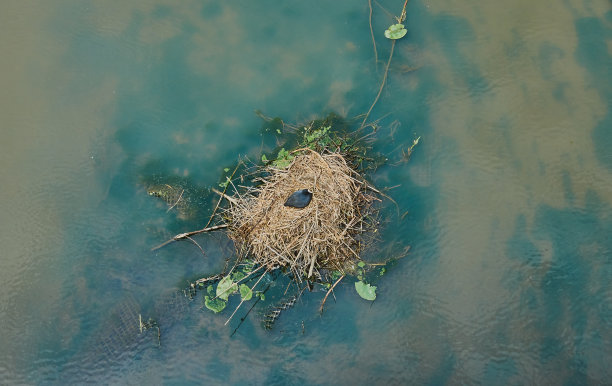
point(299, 199)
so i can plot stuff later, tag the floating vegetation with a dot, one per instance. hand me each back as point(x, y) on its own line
point(149, 324)
point(318, 240)
point(179, 195)
point(305, 212)
point(395, 31)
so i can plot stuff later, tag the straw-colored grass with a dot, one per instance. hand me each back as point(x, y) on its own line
point(323, 235)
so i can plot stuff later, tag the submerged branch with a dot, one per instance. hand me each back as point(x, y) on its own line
point(328, 292)
point(382, 85)
point(182, 236)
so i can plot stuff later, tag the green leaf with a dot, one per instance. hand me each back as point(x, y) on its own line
point(383, 270)
point(283, 159)
point(245, 292)
point(361, 264)
point(320, 134)
point(237, 276)
point(226, 170)
point(248, 266)
point(366, 291)
point(395, 31)
point(216, 305)
point(282, 163)
point(224, 184)
point(334, 275)
point(264, 159)
point(226, 287)
point(210, 290)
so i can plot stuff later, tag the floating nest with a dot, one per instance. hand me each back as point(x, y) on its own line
point(325, 235)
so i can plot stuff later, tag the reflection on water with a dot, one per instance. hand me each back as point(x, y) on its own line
point(508, 193)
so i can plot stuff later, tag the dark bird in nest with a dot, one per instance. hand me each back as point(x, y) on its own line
point(299, 199)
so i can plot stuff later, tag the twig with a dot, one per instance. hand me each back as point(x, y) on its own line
point(189, 234)
point(242, 300)
point(197, 245)
point(223, 195)
point(221, 198)
point(328, 292)
point(249, 311)
point(382, 85)
point(372, 34)
point(384, 80)
point(177, 201)
point(206, 227)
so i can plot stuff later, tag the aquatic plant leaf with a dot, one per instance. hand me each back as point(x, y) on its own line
point(248, 266)
point(283, 159)
point(319, 135)
point(361, 264)
point(237, 276)
point(226, 287)
point(216, 305)
point(245, 292)
point(264, 159)
point(224, 184)
point(282, 163)
point(395, 31)
point(366, 291)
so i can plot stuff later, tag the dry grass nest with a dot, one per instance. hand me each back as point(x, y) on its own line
point(325, 235)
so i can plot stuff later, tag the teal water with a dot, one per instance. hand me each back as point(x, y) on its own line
point(508, 195)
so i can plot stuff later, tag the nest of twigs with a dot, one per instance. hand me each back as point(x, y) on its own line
point(325, 235)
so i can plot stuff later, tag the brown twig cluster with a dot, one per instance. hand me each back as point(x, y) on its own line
point(323, 235)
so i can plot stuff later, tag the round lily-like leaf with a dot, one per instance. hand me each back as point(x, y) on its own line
point(226, 287)
point(245, 292)
point(395, 31)
point(216, 305)
point(366, 291)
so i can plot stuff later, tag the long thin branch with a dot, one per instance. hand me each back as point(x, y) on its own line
point(328, 292)
point(197, 245)
point(242, 301)
point(223, 195)
point(382, 85)
point(372, 34)
point(206, 227)
point(384, 80)
point(177, 201)
point(189, 234)
point(249, 311)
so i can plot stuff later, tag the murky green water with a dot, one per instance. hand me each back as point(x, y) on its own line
point(509, 193)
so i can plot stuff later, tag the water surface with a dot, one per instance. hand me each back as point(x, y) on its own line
point(508, 195)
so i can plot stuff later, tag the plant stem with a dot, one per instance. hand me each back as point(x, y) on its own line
point(382, 85)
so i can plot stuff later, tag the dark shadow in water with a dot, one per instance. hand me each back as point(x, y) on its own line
point(593, 54)
point(566, 290)
point(451, 30)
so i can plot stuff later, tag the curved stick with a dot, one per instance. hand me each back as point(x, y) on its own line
point(328, 292)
